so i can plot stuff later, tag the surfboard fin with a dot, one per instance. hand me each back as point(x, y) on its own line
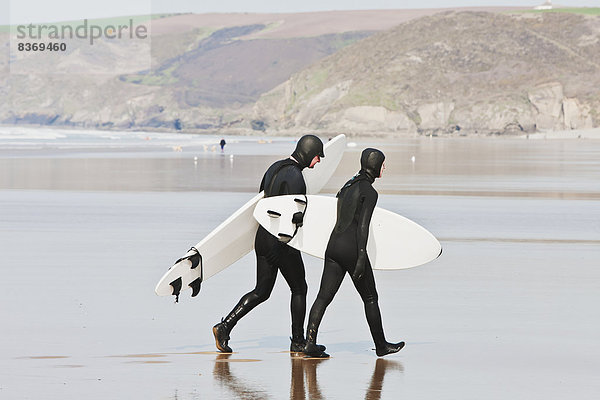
point(176, 285)
point(195, 258)
point(195, 285)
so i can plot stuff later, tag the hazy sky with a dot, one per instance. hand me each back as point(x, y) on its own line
point(28, 11)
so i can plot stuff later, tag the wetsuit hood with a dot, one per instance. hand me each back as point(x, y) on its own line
point(307, 148)
point(371, 161)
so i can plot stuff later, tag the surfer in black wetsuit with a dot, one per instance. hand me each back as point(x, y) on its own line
point(282, 178)
point(347, 252)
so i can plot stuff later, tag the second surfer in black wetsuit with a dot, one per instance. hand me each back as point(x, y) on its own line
point(282, 178)
point(347, 252)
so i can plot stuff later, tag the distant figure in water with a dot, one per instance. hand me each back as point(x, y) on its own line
point(347, 252)
point(222, 143)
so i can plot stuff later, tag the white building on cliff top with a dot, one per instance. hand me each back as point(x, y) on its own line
point(546, 6)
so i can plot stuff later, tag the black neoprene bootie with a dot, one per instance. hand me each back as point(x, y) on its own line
point(221, 332)
point(314, 350)
point(298, 344)
point(388, 348)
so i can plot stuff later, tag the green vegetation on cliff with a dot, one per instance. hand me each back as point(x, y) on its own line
point(468, 71)
point(583, 11)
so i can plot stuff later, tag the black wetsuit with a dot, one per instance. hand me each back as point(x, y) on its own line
point(346, 251)
point(347, 241)
point(282, 178)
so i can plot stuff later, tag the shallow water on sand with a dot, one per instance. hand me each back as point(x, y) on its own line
point(62, 160)
point(508, 311)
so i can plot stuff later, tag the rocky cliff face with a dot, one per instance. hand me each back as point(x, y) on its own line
point(451, 73)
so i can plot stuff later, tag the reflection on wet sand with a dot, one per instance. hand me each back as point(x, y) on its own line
point(304, 376)
point(241, 389)
point(381, 367)
point(304, 383)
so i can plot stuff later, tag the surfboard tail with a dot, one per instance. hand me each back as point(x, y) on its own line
point(195, 258)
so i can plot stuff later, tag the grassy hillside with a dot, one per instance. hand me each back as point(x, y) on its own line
point(221, 70)
point(582, 11)
point(475, 71)
point(197, 76)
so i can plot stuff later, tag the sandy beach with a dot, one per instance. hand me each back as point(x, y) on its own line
point(90, 221)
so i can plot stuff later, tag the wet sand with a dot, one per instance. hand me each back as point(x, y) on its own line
point(123, 161)
point(508, 311)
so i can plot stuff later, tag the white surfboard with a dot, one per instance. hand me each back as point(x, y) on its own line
point(395, 242)
point(234, 238)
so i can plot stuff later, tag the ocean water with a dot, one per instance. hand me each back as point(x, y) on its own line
point(89, 223)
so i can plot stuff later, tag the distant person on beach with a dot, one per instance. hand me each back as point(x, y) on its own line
point(282, 178)
point(347, 252)
point(222, 143)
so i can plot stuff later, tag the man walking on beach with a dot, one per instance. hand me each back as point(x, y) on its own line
point(282, 178)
